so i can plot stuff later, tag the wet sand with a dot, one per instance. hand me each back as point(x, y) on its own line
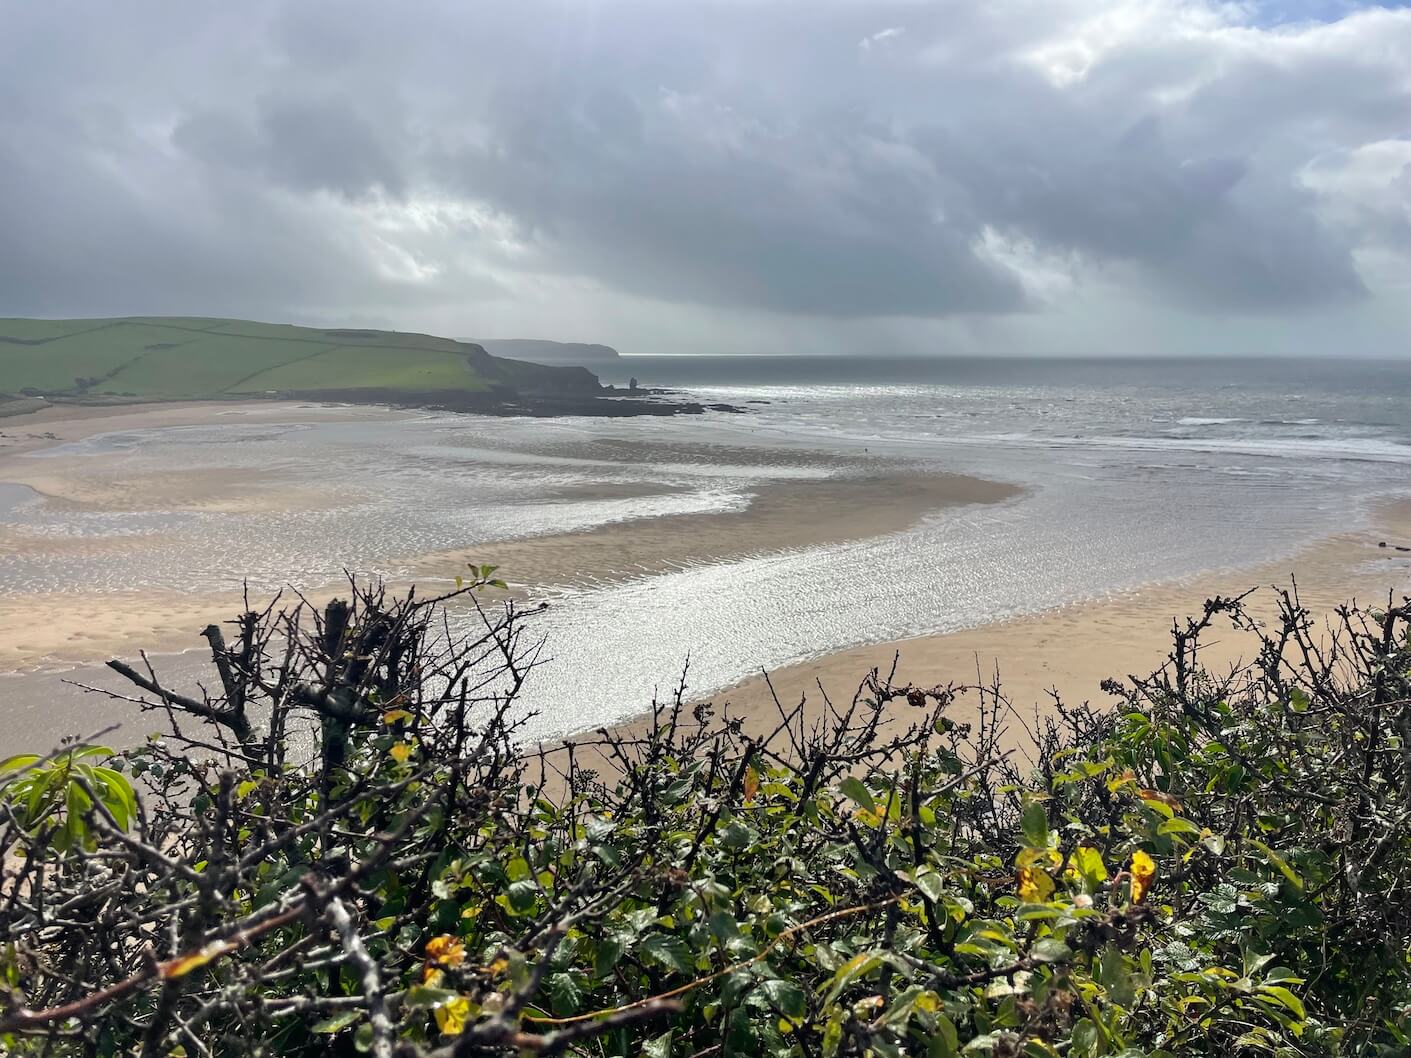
point(72, 422)
point(780, 516)
point(59, 628)
point(70, 627)
point(1071, 650)
point(89, 482)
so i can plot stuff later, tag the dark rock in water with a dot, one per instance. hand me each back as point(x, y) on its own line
point(759, 402)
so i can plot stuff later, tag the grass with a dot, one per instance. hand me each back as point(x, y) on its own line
point(173, 358)
point(416, 370)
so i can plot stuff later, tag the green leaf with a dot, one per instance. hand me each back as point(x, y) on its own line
point(1287, 998)
point(1086, 1037)
point(1035, 824)
point(723, 925)
point(737, 985)
point(931, 885)
point(23, 760)
point(599, 828)
point(853, 788)
point(1279, 862)
point(735, 835)
point(786, 997)
point(608, 952)
point(1114, 976)
point(947, 1037)
point(669, 952)
point(564, 994)
point(424, 997)
point(1088, 860)
point(1050, 949)
point(338, 1022)
point(116, 793)
point(522, 895)
point(833, 1035)
point(1177, 825)
point(92, 751)
point(859, 965)
point(1158, 806)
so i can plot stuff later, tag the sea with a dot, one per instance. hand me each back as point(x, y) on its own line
point(1132, 471)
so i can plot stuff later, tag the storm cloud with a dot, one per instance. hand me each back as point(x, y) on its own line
point(1017, 176)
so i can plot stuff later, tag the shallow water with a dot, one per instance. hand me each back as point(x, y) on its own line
point(389, 491)
point(1134, 472)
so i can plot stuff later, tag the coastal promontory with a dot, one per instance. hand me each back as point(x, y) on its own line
point(138, 359)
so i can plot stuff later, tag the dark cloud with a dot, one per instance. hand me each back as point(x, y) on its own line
point(1204, 229)
point(822, 160)
point(319, 144)
point(679, 198)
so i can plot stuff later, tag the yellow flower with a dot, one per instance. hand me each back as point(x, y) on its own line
point(1035, 885)
point(445, 950)
point(451, 1016)
point(400, 752)
point(1030, 856)
point(1143, 870)
point(432, 977)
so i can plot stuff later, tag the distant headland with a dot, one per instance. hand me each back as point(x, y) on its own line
point(546, 352)
point(138, 359)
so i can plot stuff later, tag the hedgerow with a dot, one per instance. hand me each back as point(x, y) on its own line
point(350, 848)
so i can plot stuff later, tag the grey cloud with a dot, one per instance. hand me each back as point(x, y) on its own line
point(676, 197)
point(318, 144)
point(125, 233)
point(735, 157)
point(1204, 229)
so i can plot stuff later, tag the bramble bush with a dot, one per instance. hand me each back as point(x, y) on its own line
point(350, 849)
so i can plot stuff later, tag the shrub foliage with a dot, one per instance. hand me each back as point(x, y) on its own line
point(349, 848)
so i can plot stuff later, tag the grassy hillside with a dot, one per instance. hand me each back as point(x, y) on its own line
point(168, 358)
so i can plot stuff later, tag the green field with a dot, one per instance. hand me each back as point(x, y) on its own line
point(176, 358)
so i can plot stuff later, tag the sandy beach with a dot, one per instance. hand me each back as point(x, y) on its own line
point(60, 628)
point(829, 502)
point(57, 628)
point(785, 516)
point(1071, 650)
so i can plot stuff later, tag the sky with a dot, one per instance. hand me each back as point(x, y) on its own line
point(688, 176)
